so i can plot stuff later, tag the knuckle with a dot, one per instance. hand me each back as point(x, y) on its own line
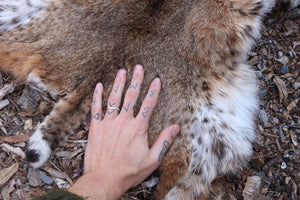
point(131, 94)
point(113, 99)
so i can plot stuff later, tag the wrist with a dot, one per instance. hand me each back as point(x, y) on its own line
point(91, 187)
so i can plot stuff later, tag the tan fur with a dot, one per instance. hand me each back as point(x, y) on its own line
point(193, 46)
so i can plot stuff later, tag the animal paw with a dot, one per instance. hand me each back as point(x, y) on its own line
point(39, 149)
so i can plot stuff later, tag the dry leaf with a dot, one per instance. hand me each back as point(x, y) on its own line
point(15, 138)
point(7, 173)
point(281, 88)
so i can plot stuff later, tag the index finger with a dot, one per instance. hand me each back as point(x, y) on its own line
point(150, 101)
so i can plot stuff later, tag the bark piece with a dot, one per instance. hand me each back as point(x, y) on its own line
point(7, 173)
point(252, 187)
point(281, 89)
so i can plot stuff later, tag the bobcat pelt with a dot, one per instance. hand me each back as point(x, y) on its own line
point(198, 48)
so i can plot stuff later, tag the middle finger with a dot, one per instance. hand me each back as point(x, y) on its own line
point(133, 91)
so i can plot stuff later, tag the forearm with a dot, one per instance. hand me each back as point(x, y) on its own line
point(95, 188)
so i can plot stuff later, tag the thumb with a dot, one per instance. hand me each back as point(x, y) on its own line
point(163, 142)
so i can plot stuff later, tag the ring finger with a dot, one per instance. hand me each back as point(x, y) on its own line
point(115, 96)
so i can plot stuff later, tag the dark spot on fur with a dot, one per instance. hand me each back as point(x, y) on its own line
point(14, 8)
point(174, 120)
point(249, 28)
point(197, 171)
point(210, 105)
point(212, 130)
point(32, 155)
point(186, 120)
point(220, 110)
point(194, 119)
point(231, 112)
point(256, 9)
point(205, 86)
point(15, 20)
point(182, 186)
point(224, 126)
point(199, 140)
point(192, 134)
point(222, 94)
point(218, 148)
point(217, 75)
point(248, 34)
point(205, 120)
point(189, 108)
point(28, 3)
point(241, 12)
point(208, 95)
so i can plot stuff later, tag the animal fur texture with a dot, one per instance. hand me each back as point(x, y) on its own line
point(198, 48)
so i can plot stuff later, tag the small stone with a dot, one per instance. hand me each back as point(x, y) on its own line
point(266, 78)
point(275, 120)
point(284, 69)
point(33, 177)
point(262, 94)
point(296, 85)
point(283, 165)
point(263, 117)
point(151, 183)
point(46, 179)
point(264, 51)
point(258, 74)
point(254, 60)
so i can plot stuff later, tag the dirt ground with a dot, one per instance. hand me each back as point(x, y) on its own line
point(272, 173)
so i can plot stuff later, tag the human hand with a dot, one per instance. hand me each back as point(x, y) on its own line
point(118, 156)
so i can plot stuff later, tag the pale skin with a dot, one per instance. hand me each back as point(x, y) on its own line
point(117, 155)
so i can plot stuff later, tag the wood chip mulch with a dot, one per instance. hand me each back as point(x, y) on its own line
point(272, 173)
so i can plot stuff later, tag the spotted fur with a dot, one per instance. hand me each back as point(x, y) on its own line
point(197, 47)
point(14, 13)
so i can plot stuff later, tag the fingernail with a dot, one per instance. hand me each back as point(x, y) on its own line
point(99, 86)
point(138, 68)
point(175, 130)
point(122, 72)
point(156, 80)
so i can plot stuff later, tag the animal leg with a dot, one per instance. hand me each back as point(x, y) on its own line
point(67, 114)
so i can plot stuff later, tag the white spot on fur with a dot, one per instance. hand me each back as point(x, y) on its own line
point(41, 146)
point(32, 78)
point(14, 13)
